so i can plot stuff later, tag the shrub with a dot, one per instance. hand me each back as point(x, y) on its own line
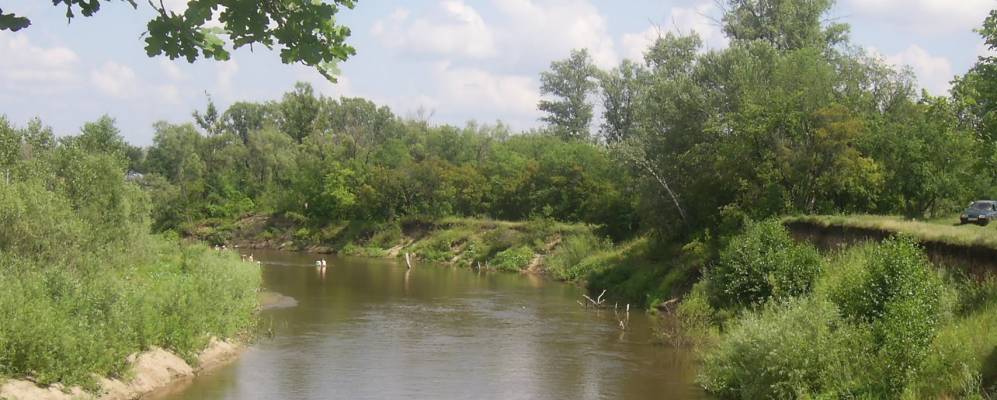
point(62, 325)
point(801, 348)
point(501, 238)
point(764, 262)
point(387, 237)
point(898, 295)
point(697, 320)
point(962, 359)
point(514, 259)
point(570, 253)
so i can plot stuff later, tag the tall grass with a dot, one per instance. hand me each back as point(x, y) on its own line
point(80, 290)
point(64, 324)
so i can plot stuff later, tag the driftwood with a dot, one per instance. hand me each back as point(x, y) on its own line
point(598, 302)
point(667, 306)
point(408, 261)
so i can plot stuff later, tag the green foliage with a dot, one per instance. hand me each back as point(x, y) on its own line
point(513, 259)
point(764, 262)
point(348, 159)
point(387, 237)
point(62, 324)
point(961, 361)
point(304, 31)
point(898, 294)
point(84, 284)
point(800, 349)
point(571, 81)
point(877, 325)
point(640, 272)
point(565, 261)
point(786, 25)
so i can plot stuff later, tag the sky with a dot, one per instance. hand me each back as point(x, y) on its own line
point(452, 61)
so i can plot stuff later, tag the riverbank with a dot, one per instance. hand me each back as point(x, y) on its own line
point(637, 271)
point(874, 319)
point(968, 247)
point(147, 372)
point(65, 324)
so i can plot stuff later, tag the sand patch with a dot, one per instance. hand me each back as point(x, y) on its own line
point(149, 371)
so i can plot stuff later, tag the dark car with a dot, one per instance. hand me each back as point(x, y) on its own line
point(980, 212)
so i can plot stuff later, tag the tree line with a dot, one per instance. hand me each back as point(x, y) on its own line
point(790, 118)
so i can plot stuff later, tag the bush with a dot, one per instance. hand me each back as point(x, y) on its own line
point(764, 262)
point(513, 260)
point(571, 252)
point(962, 360)
point(898, 294)
point(799, 349)
point(387, 237)
point(62, 325)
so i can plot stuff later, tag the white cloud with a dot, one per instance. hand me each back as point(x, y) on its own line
point(474, 89)
point(171, 70)
point(168, 94)
point(548, 30)
point(933, 72)
point(681, 20)
point(116, 80)
point(25, 66)
point(927, 15)
point(458, 30)
point(226, 72)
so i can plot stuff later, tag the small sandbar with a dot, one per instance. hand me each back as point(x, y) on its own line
point(271, 300)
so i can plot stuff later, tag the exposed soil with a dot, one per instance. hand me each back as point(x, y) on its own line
point(150, 371)
point(974, 260)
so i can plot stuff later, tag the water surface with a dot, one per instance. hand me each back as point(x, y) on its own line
point(371, 329)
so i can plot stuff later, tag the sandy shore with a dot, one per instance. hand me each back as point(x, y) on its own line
point(150, 371)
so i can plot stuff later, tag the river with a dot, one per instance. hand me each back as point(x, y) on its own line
point(371, 329)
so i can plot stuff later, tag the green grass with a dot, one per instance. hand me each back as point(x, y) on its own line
point(943, 230)
point(63, 324)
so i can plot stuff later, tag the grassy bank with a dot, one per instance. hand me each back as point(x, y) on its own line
point(941, 230)
point(876, 320)
point(83, 284)
point(637, 271)
point(65, 322)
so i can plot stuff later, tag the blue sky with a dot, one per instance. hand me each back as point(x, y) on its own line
point(453, 60)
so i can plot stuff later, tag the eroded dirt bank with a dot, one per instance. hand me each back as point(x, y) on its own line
point(975, 260)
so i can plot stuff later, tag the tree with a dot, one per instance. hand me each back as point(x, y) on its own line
point(305, 31)
point(785, 24)
point(242, 117)
point(298, 111)
point(976, 92)
point(621, 90)
point(570, 81)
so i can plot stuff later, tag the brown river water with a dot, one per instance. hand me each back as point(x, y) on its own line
point(371, 329)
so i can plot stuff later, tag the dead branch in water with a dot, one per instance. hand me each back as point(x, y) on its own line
point(598, 302)
point(408, 261)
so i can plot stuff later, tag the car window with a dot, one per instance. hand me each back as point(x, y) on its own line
point(982, 206)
